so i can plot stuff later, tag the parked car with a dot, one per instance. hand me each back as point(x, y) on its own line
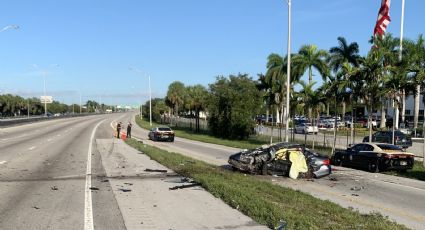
point(306, 128)
point(274, 160)
point(374, 157)
point(161, 133)
point(400, 139)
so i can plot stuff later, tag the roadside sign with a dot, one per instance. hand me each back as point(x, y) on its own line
point(46, 99)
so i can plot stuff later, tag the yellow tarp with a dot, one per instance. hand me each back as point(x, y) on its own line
point(299, 164)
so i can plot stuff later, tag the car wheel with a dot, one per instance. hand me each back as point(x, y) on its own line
point(337, 161)
point(172, 139)
point(374, 166)
point(234, 169)
point(155, 138)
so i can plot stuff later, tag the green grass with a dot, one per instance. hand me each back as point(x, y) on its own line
point(263, 201)
point(418, 172)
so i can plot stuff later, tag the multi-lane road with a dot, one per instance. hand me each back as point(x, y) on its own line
point(47, 169)
point(72, 174)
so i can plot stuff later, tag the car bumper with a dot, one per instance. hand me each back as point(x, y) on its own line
point(242, 166)
point(322, 171)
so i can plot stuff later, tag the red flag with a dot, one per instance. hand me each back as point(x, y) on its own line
point(383, 18)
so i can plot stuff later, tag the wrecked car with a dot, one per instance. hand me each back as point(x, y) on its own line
point(374, 157)
point(279, 159)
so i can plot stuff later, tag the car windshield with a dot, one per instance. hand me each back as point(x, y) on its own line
point(387, 147)
point(164, 129)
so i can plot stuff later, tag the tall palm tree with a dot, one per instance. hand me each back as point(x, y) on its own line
point(312, 99)
point(309, 58)
point(371, 73)
point(176, 95)
point(388, 48)
point(342, 58)
point(276, 79)
point(416, 52)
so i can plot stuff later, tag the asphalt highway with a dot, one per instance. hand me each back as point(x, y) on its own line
point(70, 174)
point(43, 181)
point(401, 199)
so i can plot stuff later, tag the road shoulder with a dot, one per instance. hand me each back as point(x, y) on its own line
point(146, 201)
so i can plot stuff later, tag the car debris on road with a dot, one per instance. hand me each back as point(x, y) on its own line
point(156, 170)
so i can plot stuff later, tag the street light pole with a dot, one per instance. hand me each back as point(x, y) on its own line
point(150, 93)
point(288, 73)
point(150, 101)
point(44, 92)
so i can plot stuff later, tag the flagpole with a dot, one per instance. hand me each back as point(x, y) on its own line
point(400, 55)
point(288, 73)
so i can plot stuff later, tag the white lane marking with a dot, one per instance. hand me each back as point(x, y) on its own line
point(88, 205)
point(58, 135)
point(32, 147)
point(50, 139)
point(2, 162)
point(4, 139)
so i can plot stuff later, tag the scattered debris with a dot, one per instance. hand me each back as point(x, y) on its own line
point(94, 188)
point(155, 170)
point(123, 167)
point(124, 190)
point(355, 194)
point(35, 207)
point(357, 188)
point(282, 225)
point(54, 188)
point(185, 186)
point(312, 180)
point(105, 180)
point(333, 179)
point(129, 184)
point(154, 205)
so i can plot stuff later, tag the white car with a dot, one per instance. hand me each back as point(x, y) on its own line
point(306, 128)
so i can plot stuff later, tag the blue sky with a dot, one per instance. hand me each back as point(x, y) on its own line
point(95, 42)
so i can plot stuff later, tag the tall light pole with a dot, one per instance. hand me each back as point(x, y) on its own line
point(80, 102)
point(288, 73)
point(44, 74)
point(150, 92)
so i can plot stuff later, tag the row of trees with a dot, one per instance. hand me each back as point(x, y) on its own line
point(380, 80)
point(13, 105)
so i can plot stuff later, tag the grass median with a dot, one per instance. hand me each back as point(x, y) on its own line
point(263, 201)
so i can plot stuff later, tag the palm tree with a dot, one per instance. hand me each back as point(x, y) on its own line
point(175, 96)
point(388, 52)
point(312, 100)
point(310, 57)
point(342, 58)
point(199, 95)
point(370, 74)
point(275, 79)
point(416, 52)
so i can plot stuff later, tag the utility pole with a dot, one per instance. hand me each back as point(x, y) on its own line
point(288, 73)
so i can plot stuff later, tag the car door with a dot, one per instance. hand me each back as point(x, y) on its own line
point(364, 156)
point(352, 155)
